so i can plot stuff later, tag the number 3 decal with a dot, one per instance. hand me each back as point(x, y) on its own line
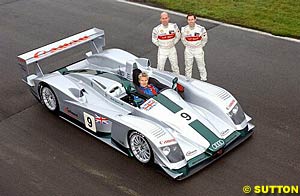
point(186, 116)
point(89, 121)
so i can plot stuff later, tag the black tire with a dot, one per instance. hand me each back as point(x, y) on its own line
point(140, 147)
point(48, 98)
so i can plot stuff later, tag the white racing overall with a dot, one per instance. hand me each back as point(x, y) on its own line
point(194, 39)
point(165, 37)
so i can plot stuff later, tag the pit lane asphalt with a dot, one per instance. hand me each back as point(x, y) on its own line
point(40, 154)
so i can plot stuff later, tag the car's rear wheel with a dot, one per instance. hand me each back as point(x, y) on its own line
point(48, 98)
point(140, 147)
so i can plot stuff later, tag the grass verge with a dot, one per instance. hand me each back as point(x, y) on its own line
point(279, 17)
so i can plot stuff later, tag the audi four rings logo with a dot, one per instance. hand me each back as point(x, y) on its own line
point(218, 144)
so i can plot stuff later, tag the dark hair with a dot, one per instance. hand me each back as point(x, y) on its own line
point(191, 15)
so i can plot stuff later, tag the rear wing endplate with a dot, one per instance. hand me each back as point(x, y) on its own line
point(94, 36)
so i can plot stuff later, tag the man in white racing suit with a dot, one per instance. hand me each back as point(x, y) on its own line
point(165, 36)
point(194, 38)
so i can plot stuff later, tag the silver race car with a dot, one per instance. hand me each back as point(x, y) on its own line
point(186, 126)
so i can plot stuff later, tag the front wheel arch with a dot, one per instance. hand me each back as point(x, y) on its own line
point(144, 155)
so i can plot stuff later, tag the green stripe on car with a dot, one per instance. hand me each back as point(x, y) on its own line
point(215, 142)
point(165, 101)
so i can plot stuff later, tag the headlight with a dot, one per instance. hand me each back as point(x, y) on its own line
point(235, 109)
point(173, 153)
point(166, 150)
point(237, 114)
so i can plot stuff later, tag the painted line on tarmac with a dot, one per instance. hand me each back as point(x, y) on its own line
point(211, 21)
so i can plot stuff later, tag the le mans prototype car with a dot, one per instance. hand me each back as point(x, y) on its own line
point(185, 127)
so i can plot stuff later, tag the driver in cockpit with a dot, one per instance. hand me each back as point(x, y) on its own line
point(146, 88)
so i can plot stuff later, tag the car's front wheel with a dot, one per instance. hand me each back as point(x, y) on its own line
point(140, 147)
point(48, 98)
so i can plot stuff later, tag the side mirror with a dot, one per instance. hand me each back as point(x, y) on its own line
point(81, 92)
point(143, 62)
point(77, 93)
point(174, 81)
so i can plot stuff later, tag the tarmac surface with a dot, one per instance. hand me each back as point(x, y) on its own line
point(40, 154)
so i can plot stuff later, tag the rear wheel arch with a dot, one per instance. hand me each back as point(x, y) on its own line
point(48, 97)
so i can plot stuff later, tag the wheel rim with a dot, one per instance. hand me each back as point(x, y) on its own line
point(140, 148)
point(49, 98)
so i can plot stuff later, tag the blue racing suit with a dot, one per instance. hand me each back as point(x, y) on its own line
point(149, 90)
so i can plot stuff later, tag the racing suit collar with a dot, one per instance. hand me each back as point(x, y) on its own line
point(192, 27)
point(165, 26)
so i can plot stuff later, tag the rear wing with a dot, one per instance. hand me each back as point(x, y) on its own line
point(94, 36)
